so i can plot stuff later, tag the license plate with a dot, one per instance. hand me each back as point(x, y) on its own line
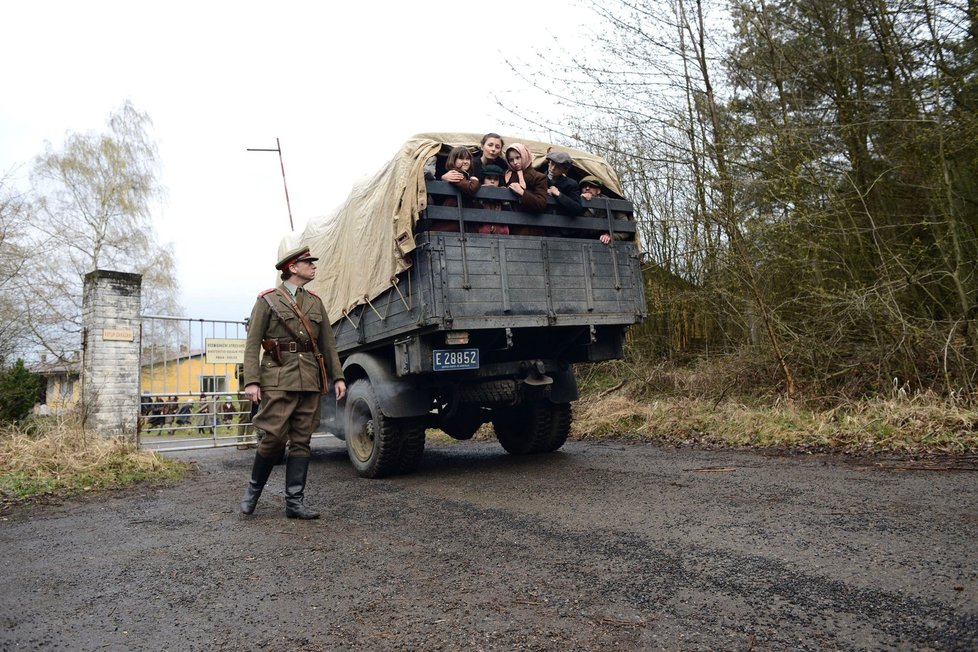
point(452, 359)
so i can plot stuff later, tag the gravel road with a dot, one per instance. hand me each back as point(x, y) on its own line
point(597, 547)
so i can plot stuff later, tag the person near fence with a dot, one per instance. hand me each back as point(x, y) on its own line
point(245, 411)
point(183, 414)
point(170, 409)
point(228, 410)
point(157, 414)
point(291, 325)
point(202, 411)
point(145, 410)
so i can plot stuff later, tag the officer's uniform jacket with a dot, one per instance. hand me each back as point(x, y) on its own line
point(299, 371)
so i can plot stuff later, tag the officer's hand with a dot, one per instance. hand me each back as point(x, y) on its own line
point(340, 388)
point(253, 392)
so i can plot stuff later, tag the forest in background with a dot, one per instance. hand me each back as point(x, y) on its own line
point(805, 179)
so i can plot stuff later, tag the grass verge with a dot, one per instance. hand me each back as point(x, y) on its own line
point(924, 425)
point(726, 402)
point(56, 457)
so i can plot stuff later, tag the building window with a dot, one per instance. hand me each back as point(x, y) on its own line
point(213, 384)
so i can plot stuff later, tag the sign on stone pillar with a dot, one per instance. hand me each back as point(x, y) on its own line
point(110, 352)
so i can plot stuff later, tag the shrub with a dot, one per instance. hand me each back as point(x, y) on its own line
point(19, 390)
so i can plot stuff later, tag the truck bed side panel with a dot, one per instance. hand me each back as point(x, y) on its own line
point(489, 281)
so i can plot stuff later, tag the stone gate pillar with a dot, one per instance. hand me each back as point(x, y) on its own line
point(110, 352)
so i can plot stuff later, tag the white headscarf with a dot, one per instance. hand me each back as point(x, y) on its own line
point(525, 161)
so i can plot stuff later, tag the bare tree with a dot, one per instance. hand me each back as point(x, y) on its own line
point(94, 198)
point(14, 256)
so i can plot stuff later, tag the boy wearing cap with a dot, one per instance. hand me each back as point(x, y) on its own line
point(591, 188)
point(562, 187)
point(291, 325)
point(492, 173)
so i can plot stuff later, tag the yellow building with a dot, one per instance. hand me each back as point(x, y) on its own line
point(175, 382)
point(62, 387)
point(186, 374)
point(183, 374)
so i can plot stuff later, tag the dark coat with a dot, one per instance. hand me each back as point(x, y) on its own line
point(569, 200)
point(534, 199)
point(477, 165)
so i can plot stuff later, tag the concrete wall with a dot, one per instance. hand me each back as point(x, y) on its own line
point(110, 352)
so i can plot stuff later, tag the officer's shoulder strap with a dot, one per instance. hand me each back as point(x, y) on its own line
point(264, 292)
point(314, 294)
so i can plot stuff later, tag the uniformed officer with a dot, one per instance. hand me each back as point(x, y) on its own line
point(287, 380)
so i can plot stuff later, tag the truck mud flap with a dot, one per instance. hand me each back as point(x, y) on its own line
point(396, 398)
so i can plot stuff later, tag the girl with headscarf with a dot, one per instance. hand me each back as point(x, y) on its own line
point(525, 182)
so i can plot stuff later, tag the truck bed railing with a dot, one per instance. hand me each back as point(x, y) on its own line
point(605, 215)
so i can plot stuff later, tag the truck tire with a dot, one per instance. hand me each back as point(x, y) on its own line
point(539, 427)
point(560, 422)
point(379, 446)
point(521, 429)
point(512, 429)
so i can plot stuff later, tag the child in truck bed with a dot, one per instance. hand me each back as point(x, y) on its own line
point(459, 165)
point(561, 187)
point(491, 174)
point(492, 149)
point(525, 182)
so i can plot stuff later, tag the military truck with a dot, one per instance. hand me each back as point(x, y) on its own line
point(438, 326)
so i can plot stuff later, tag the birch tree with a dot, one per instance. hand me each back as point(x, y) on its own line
point(94, 198)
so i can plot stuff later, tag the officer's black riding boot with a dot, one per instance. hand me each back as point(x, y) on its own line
point(259, 476)
point(295, 487)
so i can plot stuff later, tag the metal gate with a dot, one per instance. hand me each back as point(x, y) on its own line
point(189, 384)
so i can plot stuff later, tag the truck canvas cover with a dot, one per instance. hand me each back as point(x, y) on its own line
point(368, 240)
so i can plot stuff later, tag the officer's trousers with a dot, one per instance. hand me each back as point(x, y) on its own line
point(287, 417)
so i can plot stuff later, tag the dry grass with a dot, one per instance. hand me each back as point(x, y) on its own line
point(57, 457)
point(732, 400)
point(725, 401)
point(919, 425)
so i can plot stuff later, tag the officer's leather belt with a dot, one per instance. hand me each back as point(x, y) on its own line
point(290, 346)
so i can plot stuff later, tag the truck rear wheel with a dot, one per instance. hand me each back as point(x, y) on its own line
point(560, 422)
point(379, 446)
point(540, 427)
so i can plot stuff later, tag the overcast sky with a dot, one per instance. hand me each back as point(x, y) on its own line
point(342, 85)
